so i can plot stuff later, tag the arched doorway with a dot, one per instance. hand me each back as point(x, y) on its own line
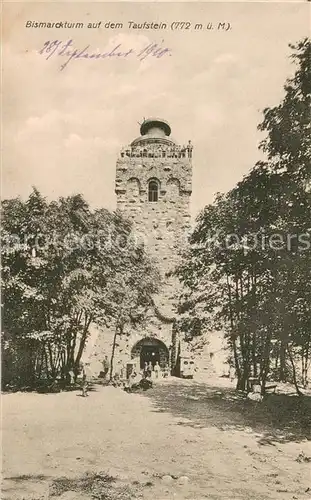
point(151, 350)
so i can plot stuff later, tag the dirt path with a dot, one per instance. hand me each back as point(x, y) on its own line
point(153, 454)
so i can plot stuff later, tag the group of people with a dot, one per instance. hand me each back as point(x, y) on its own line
point(144, 378)
point(147, 374)
point(155, 371)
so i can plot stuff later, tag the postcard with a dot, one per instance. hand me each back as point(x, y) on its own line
point(156, 207)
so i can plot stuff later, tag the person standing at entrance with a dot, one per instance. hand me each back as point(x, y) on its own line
point(157, 369)
point(150, 369)
point(86, 379)
point(71, 377)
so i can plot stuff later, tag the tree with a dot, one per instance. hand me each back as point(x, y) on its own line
point(64, 268)
point(236, 277)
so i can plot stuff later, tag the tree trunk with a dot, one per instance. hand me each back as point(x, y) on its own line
point(265, 364)
point(244, 382)
point(294, 371)
point(305, 363)
point(233, 335)
point(236, 362)
point(242, 371)
point(263, 378)
point(113, 353)
point(82, 342)
point(46, 363)
point(283, 361)
point(51, 362)
point(81, 348)
point(254, 356)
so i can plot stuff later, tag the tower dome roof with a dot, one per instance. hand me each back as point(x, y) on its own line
point(155, 123)
point(154, 130)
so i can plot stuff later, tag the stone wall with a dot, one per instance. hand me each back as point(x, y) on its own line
point(211, 358)
point(101, 341)
point(162, 225)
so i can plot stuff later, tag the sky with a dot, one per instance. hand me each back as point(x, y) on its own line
point(63, 130)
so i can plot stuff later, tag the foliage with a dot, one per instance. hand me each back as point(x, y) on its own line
point(248, 267)
point(65, 267)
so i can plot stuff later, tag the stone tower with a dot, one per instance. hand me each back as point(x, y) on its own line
point(153, 188)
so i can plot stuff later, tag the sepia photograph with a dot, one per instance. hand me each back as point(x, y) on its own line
point(156, 250)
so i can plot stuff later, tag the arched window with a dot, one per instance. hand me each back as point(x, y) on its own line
point(153, 191)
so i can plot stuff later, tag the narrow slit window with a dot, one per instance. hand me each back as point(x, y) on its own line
point(153, 191)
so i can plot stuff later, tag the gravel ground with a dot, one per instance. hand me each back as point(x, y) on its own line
point(181, 440)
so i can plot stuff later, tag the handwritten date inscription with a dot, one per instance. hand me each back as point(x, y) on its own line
point(70, 53)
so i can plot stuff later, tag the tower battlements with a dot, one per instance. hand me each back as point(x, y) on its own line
point(153, 188)
point(154, 173)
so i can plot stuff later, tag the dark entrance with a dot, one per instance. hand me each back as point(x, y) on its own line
point(151, 350)
point(149, 353)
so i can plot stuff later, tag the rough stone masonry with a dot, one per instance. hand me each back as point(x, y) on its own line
point(153, 189)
